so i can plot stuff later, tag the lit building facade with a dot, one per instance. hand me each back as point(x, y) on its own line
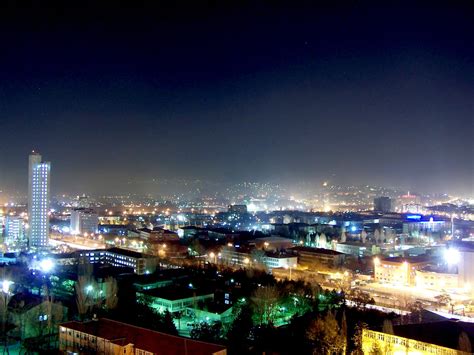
point(433, 280)
point(139, 262)
point(108, 337)
point(381, 343)
point(84, 220)
point(398, 270)
point(14, 232)
point(39, 174)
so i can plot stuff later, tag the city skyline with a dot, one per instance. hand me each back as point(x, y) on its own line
point(305, 93)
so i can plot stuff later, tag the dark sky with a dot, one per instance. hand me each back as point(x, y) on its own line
point(362, 93)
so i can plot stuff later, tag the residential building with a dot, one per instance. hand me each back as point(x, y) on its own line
point(14, 232)
point(108, 337)
point(84, 220)
point(38, 201)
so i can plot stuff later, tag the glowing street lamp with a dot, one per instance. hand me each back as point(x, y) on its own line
point(46, 265)
point(6, 286)
point(452, 256)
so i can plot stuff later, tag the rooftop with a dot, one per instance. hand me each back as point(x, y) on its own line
point(317, 250)
point(126, 252)
point(443, 333)
point(176, 293)
point(143, 339)
point(409, 259)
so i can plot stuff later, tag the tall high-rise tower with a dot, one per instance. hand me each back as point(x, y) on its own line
point(38, 201)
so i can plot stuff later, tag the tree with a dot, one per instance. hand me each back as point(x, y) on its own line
point(360, 298)
point(257, 257)
point(443, 299)
point(322, 240)
point(207, 332)
point(325, 334)
point(357, 338)
point(344, 331)
point(111, 291)
point(377, 236)
point(387, 327)
point(265, 304)
point(376, 350)
point(464, 344)
point(343, 237)
point(238, 335)
point(363, 236)
point(87, 295)
point(416, 309)
point(178, 315)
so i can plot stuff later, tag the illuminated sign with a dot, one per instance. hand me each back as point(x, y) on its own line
point(414, 216)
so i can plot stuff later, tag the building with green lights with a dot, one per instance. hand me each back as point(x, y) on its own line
point(173, 299)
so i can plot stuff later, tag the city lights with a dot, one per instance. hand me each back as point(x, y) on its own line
point(46, 265)
point(6, 286)
point(452, 256)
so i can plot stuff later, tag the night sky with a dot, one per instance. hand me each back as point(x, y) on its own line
point(264, 92)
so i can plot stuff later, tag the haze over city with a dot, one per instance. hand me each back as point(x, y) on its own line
point(355, 94)
point(213, 178)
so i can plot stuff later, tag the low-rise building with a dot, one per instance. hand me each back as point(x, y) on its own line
point(108, 337)
point(245, 257)
point(354, 249)
point(312, 258)
point(139, 262)
point(382, 343)
point(278, 260)
point(32, 314)
point(399, 270)
point(436, 279)
point(434, 337)
point(173, 299)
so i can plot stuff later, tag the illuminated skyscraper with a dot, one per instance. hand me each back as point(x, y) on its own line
point(38, 201)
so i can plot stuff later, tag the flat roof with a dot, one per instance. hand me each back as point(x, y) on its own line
point(127, 252)
point(443, 333)
point(176, 293)
point(142, 338)
point(408, 259)
point(317, 250)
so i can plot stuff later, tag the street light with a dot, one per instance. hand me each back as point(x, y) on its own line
point(6, 286)
point(46, 265)
point(5, 298)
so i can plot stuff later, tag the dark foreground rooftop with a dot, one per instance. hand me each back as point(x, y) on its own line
point(144, 339)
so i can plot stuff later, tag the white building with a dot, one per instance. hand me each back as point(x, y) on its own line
point(38, 201)
point(84, 220)
point(139, 262)
point(14, 231)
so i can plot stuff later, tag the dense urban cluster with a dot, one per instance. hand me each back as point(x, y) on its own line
point(254, 270)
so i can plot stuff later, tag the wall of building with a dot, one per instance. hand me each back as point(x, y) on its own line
point(392, 344)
